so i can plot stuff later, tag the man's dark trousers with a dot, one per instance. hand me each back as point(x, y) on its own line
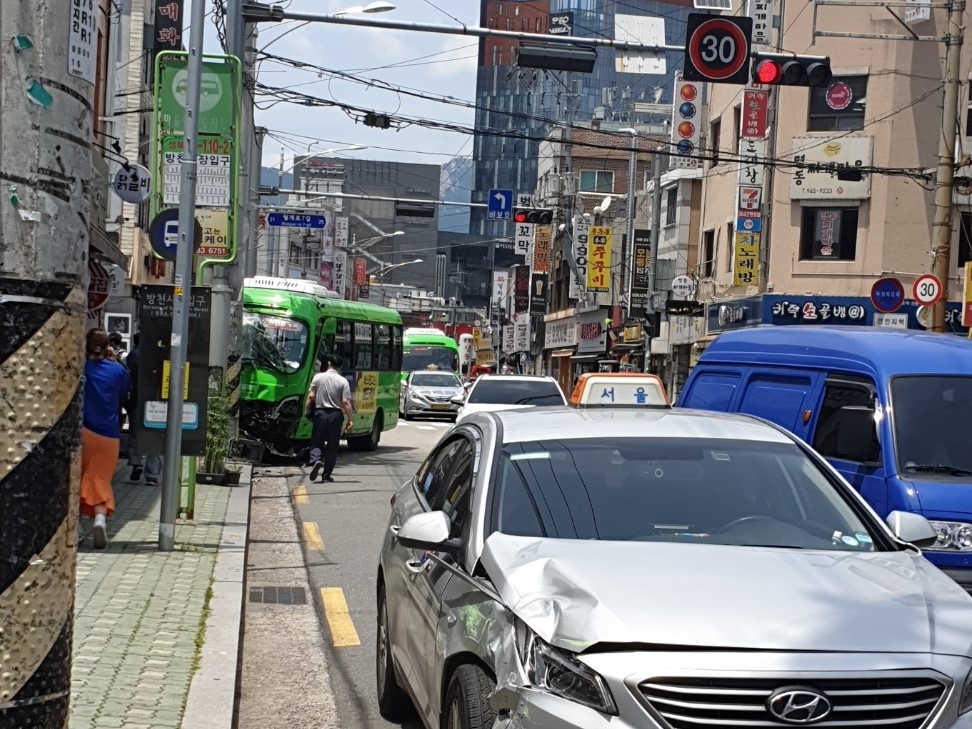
point(325, 436)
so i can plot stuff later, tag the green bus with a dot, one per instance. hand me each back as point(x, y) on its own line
point(425, 348)
point(289, 325)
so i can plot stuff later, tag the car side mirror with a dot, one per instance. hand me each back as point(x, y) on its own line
point(857, 434)
point(912, 528)
point(428, 531)
point(458, 400)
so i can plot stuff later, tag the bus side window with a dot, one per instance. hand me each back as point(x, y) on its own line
point(383, 348)
point(325, 347)
point(342, 344)
point(363, 347)
point(396, 348)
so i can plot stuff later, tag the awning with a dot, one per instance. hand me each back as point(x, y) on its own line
point(627, 347)
point(586, 357)
point(562, 353)
point(103, 247)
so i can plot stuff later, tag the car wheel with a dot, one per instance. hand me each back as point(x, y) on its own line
point(407, 416)
point(393, 702)
point(466, 704)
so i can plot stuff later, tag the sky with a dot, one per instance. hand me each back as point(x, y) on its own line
point(430, 63)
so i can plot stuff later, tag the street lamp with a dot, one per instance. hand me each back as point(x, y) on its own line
point(368, 241)
point(376, 7)
point(382, 271)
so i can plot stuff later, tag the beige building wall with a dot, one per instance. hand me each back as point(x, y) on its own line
point(902, 117)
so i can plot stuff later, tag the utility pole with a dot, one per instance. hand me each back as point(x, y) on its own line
point(172, 467)
point(942, 225)
point(46, 159)
point(656, 163)
point(627, 244)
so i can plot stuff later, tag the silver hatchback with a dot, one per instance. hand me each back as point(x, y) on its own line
point(664, 569)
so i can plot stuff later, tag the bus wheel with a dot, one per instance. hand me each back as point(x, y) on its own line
point(369, 442)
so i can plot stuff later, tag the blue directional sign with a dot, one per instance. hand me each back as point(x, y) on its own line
point(164, 234)
point(295, 220)
point(499, 205)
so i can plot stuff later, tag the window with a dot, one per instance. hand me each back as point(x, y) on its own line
point(431, 478)
point(597, 181)
point(342, 344)
point(363, 347)
point(708, 254)
point(274, 342)
point(931, 416)
point(736, 127)
point(296, 253)
point(396, 339)
point(457, 494)
point(730, 242)
point(828, 234)
point(671, 205)
point(507, 391)
point(383, 347)
point(965, 240)
point(840, 106)
point(715, 132)
point(838, 395)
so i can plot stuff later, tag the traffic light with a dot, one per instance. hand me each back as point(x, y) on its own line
point(537, 216)
point(783, 69)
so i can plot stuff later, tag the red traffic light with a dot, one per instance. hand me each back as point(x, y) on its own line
point(768, 72)
point(520, 216)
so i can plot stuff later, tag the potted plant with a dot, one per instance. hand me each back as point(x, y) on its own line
point(232, 475)
point(217, 434)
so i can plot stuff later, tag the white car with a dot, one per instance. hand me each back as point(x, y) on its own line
point(492, 393)
point(430, 393)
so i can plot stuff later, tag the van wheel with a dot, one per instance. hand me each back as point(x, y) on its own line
point(466, 704)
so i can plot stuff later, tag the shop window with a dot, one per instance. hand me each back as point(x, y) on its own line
point(965, 240)
point(597, 181)
point(707, 264)
point(840, 106)
point(671, 205)
point(828, 234)
point(363, 347)
point(715, 134)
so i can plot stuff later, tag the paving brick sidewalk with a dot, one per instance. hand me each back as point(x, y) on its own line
point(139, 612)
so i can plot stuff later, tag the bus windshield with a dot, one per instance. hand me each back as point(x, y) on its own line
point(429, 356)
point(274, 342)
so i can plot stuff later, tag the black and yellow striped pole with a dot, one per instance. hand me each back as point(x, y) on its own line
point(45, 211)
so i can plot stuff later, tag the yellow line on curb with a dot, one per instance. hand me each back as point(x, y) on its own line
point(338, 617)
point(300, 496)
point(312, 536)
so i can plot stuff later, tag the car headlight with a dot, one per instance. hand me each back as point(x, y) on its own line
point(965, 703)
point(418, 397)
point(952, 536)
point(557, 671)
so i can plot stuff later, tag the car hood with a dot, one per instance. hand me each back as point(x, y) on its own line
point(577, 593)
point(437, 391)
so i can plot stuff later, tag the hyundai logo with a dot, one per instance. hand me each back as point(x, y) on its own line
point(797, 705)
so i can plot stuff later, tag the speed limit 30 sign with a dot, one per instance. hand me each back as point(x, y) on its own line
point(928, 289)
point(717, 49)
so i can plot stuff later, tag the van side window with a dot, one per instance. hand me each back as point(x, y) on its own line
point(839, 394)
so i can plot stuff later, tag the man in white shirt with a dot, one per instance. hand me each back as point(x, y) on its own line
point(329, 401)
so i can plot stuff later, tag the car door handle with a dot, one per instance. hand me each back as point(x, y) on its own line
point(394, 529)
point(414, 566)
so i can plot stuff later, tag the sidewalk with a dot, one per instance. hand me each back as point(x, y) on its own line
point(145, 620)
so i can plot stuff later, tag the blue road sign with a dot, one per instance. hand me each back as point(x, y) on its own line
point(295, 220)
point(499, 205)
point(887, 295)
point(164, 234)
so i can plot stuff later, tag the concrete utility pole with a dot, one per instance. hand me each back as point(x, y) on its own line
point(942, 225)
point(45, 160)
point(172, 466)
point(627, 245)
point(656, 165)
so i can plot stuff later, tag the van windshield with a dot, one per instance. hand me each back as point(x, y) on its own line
point(931, 420)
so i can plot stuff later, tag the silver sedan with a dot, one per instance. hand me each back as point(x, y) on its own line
point(430, 393)
point(664, 569)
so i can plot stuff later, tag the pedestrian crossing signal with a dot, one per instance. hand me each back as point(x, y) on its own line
point(536, 216)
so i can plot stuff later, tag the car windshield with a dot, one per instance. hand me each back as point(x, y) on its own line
point(434, 379)
point(429, 356)
point(274, 342)
point(703, 491)
point(931, 423)
point(506, 391)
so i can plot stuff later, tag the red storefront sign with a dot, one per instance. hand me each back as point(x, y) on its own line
point(754, 114)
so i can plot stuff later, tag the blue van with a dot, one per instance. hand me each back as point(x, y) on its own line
point(891, 409)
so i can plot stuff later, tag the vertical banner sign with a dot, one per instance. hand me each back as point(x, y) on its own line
point(521, 334)
point(641, 275)
point(155, 317)
point(761, 11)
point(752, 155)
point(523, 241)
point(967, 298)
point(538, 292)
point(508, 338)
point(582, 229)
point(327, 258)
point(340, 273)
point(541, 248)
point(501, 280)
point(686, 124)
point(168, 26)
point(521, 289)
point(361, 276)
point(82, 43)
point(599, 266)
point(754, 114)
point(745, 259)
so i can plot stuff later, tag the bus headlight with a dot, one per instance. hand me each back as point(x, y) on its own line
point(288, 409)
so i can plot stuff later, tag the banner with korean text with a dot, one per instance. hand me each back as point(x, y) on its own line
point(599, 263)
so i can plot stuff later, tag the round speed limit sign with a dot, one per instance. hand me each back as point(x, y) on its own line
point(717, 49)
point(927, 290)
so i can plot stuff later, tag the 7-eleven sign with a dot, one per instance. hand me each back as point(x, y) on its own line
point(750, 198)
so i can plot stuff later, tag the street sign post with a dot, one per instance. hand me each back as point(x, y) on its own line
point(927, 289)
point(296, 220)
point(717, 49)
point(499, 205)
point(164, 234)
point(887, 295)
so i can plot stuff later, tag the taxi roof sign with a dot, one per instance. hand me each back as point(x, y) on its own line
point(619, 389)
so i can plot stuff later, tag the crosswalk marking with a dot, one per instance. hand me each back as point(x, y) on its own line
point(338, 616)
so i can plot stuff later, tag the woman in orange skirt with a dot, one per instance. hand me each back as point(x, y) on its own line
point(106, 386)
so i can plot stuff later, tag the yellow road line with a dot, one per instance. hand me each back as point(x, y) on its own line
point(312, 536)
point(338, 617)
point(300, 496)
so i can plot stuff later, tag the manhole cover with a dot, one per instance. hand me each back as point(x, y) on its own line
point(271, 594)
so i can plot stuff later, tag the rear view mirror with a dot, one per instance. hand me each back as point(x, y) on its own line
point(912, 528)
point(857, 435)
point(458, 400)
point(428, 531)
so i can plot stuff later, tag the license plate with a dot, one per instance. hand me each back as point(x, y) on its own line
point(440, 407)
